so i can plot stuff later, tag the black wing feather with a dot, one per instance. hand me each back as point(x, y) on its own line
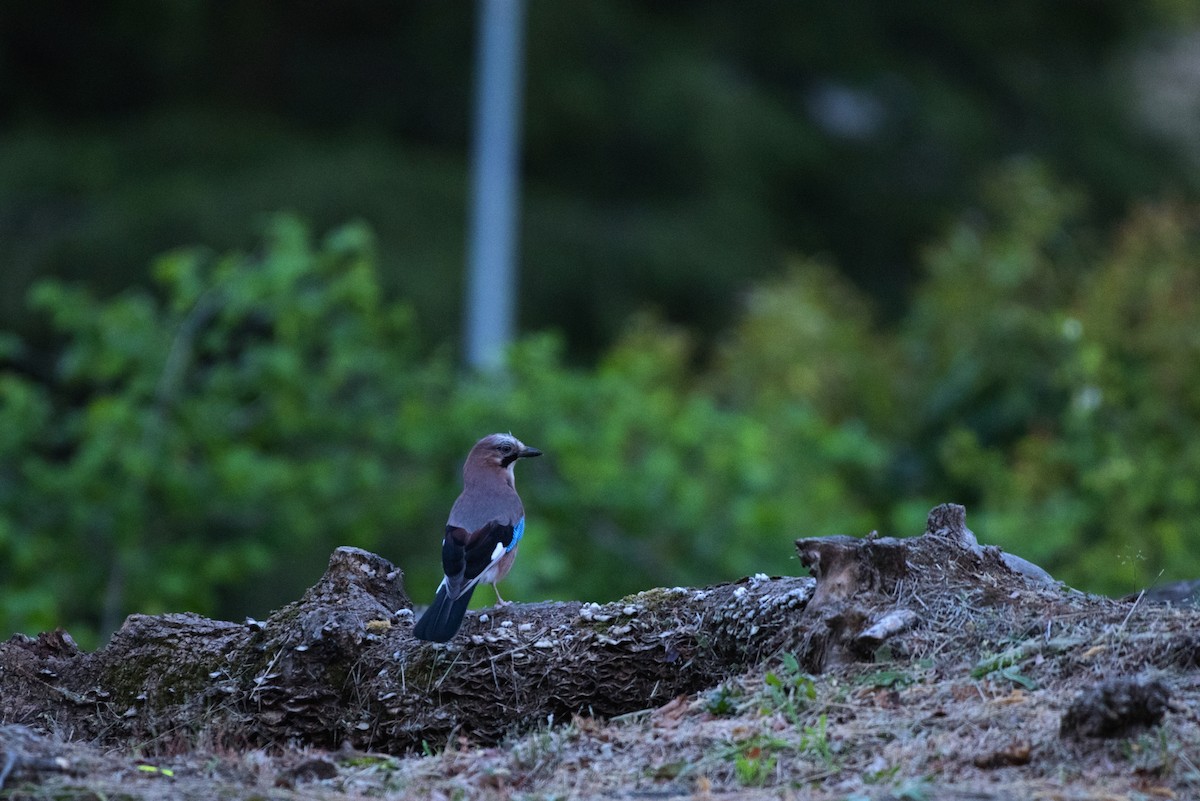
point(465, 555)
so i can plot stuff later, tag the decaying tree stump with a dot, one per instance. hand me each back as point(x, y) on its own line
point(867, 588)
point(341, 666)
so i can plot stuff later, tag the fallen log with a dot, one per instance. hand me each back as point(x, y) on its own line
point(340, 665)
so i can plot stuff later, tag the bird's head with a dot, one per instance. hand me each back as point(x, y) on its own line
point(498, 452)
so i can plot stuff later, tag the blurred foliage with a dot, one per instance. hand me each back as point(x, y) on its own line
point(262, 409)
point(204, 445)
point(1097, 482)
point(232, 429)
point(673, 152)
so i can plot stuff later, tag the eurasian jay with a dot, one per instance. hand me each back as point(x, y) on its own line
point(482, 533)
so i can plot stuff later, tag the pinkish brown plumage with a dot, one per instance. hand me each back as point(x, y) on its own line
point(483, 531)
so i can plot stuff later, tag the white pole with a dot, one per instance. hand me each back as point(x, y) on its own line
point(491, 278)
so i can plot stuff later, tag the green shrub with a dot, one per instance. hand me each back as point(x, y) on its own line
point(1100, 485)
point(236, 428)
point(204, 446)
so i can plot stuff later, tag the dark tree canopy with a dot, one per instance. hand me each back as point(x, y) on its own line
point(673, 152)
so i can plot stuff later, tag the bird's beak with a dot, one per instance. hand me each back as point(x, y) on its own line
point(527, 452)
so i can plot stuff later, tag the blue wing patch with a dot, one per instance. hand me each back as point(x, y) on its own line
point(518, 532)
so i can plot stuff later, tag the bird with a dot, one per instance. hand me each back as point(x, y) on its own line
point(483, 531)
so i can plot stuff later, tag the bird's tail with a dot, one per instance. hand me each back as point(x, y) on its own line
point(443, 617)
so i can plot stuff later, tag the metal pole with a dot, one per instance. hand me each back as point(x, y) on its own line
point(491, 278)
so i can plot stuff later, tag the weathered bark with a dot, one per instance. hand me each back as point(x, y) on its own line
point(341, 666)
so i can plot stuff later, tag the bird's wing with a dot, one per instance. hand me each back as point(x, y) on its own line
point(466, 555)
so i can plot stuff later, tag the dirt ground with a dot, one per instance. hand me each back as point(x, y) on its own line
point(956, 715)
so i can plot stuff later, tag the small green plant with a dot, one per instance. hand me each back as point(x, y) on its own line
point(722, 701)
point(887, 678)
point(669, 770)
point(1005, 665)
point(755, 759)
point(376, 769)
point(754, 767)
point(376, 761)
point(1018, 678)
point(788, 690)
point(883, 776)
point(814, 740)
